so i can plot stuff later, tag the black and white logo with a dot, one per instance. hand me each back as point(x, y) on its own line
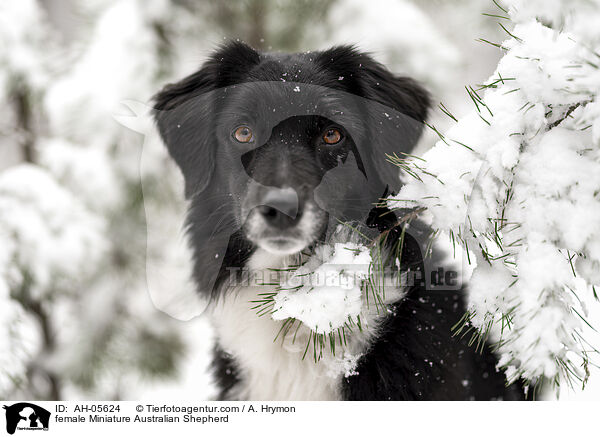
point(26, 416)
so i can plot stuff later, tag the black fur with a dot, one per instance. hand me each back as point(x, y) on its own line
point(416, 356)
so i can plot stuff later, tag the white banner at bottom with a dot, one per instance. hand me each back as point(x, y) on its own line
point(74, 418)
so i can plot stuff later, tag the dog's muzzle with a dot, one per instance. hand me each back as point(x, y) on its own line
point(280, 220)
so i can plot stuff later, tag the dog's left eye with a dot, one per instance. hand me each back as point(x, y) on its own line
point(243, 134)
point(332, 136)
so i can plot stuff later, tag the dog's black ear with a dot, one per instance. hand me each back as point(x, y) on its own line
point(184, 112)
point(404, 94)
point(396, 107)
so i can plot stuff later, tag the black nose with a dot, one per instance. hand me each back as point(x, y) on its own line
point(281, 208)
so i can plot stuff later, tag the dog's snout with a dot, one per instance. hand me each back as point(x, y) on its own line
point(280, 208)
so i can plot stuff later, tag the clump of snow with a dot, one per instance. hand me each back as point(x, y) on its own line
point(516, 181)
point(344, 365)
point(18, 337)
point(334, 300)
point(88, 171)
point(327, 296)
point(41, 226)
point(24, 33)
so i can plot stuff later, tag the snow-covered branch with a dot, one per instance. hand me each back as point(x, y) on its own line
point(517, 182)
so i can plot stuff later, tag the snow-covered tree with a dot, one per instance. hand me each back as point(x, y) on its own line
point(76, 317)
point(516, 182)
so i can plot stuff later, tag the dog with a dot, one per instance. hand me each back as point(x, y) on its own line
point(276, 151)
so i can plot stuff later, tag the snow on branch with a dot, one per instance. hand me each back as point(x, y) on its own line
point(517, 183)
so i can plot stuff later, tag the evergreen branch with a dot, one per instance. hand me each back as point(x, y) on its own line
point(495, 16)
point(447, 112)
point(373, 290)
point(567, 114)
point(500, 7)
point(439, 134)
point(489, 42)
point(512, 35)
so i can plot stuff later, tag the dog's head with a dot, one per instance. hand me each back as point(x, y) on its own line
point(276, 147)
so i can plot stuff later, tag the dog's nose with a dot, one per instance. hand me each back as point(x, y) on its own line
point(280, 208)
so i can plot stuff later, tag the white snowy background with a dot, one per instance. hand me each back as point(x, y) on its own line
point(81, 238)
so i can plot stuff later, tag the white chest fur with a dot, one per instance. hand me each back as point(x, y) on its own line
point(276, 370)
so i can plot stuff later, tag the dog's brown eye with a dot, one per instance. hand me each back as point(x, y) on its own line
point(243, 134)
point(332, 136)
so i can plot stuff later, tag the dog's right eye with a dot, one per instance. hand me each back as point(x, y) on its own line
point(243, 134)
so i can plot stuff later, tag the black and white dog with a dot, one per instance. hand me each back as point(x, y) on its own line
point(276, 150)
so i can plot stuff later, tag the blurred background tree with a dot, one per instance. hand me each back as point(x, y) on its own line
point(285, 25)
